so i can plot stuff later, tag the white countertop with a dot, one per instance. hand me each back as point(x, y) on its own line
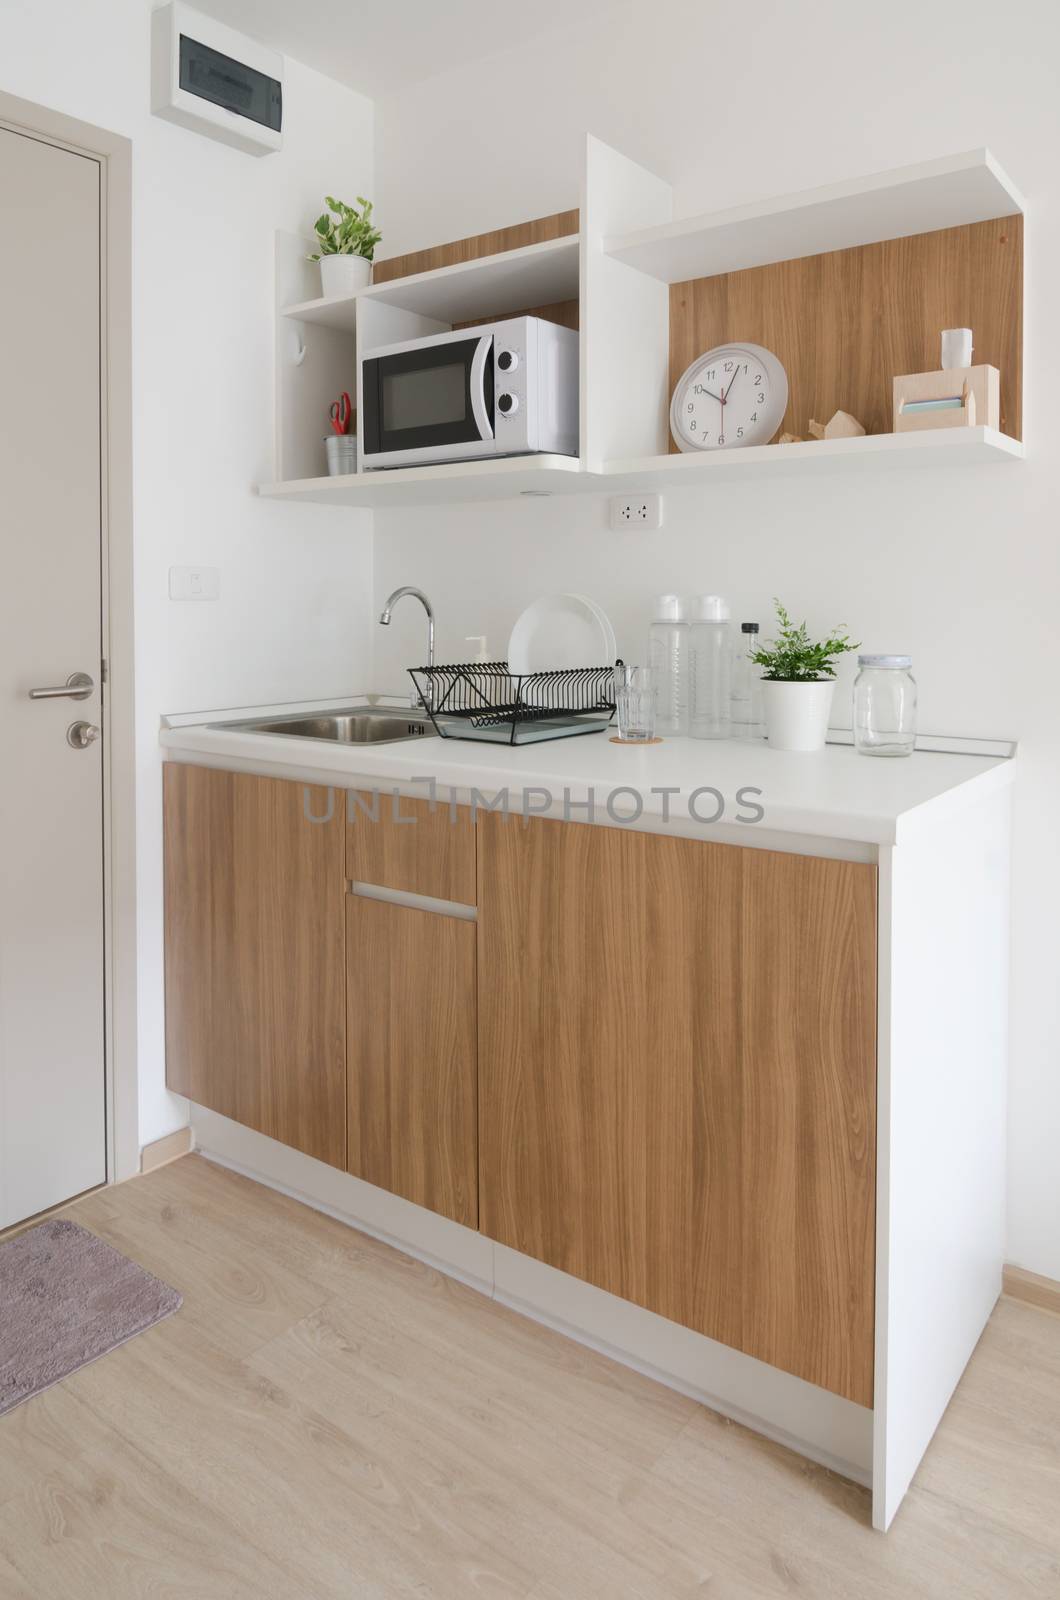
point(834, 794)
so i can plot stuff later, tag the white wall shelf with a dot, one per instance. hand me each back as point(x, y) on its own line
point(536, 275)
point(454, 482)
point(465, 481)
point(947, 193)
point(620, 278)
point(338, 312)
point(942, 447)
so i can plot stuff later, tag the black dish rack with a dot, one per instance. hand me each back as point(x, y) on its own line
point(485, 700)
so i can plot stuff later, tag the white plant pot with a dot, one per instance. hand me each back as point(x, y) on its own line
point(797, 714)
point(342, 275)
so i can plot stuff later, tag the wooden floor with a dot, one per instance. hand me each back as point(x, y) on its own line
point(327, 1418)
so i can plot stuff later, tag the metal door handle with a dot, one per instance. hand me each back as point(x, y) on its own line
point(78, 686)
point(81, 734)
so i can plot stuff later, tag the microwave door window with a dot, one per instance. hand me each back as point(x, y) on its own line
point(420, 399)
point(428, 397)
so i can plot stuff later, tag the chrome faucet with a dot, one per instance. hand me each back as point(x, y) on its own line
point(384, 618)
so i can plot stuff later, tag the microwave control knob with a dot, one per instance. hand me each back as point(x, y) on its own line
point(508, 404)
point(508, 360)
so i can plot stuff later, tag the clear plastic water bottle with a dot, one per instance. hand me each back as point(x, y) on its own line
point(747, 714)
point(669, 664)
point(711, 669)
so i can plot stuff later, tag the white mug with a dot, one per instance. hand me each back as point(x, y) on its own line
point(956, 347)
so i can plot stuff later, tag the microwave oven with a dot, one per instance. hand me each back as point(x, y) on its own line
point(504, 389)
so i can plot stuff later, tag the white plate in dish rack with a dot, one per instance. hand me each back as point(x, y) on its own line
point(561, 631)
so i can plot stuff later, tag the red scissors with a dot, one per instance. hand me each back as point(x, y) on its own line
point(340, 413)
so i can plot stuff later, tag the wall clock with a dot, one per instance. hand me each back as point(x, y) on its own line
point(734, 395)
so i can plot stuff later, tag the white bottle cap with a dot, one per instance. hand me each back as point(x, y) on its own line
point(711, 608)
point(668, 608)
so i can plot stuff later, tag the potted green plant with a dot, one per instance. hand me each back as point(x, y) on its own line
point(798, 679)
point(347, 240)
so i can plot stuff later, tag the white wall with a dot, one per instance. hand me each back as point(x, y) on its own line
point(295, 582)
point(731, 103)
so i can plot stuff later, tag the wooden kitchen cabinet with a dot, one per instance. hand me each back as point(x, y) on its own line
point(412, 1055)
point(677, 1081)
point(254, 959)
point(651, 1063)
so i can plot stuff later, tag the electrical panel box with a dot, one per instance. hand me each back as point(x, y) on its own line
point(216, 81)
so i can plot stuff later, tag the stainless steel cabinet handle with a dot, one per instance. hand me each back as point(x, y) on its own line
point(81, 734)
point(78, 686)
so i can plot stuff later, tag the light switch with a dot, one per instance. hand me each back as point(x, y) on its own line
point(194, 583)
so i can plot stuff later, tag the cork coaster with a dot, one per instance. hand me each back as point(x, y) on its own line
point(616, 740)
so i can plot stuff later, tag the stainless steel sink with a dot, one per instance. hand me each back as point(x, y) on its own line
point(357, 725)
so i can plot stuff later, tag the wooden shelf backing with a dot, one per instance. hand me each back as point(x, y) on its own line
point(539, 230)
point(847, 323)
point(951, 192)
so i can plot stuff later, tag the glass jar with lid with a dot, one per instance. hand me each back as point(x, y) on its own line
point(885, 706)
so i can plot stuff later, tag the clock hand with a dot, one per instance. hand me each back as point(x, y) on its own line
point(726, 392)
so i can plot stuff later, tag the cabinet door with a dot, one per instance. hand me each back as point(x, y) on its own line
point(255, 977)
point(412, 1054)
point(677, 1081)
point(397, 842)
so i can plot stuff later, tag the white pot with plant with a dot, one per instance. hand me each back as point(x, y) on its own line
point(347, 241)
point(798, 679)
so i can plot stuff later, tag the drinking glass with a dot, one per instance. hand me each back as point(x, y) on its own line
point(635, 704)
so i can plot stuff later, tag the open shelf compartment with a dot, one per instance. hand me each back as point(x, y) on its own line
point(491, 286)
point(849, 285)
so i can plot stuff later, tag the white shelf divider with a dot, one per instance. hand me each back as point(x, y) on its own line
point(625, 316)
point(948, 193)
point(535, 275)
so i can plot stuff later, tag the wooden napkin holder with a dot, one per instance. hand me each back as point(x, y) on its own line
point(955, 397)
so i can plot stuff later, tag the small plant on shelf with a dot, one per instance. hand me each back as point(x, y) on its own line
point(348, 232)
point(346, 239)
point(797, 682)
point(793, 657)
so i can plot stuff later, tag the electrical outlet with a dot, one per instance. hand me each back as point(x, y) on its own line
point(639, 511)
point(194, 583)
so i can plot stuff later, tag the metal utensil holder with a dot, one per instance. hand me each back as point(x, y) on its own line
point(487, 701)
point(341, 452)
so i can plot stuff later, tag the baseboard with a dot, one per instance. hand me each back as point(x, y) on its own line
point(811, 1421)
point(169, 1148)
point(815, 1423)
point(1031, 1287)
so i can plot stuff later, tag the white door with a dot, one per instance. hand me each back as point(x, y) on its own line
point(52, 1085)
